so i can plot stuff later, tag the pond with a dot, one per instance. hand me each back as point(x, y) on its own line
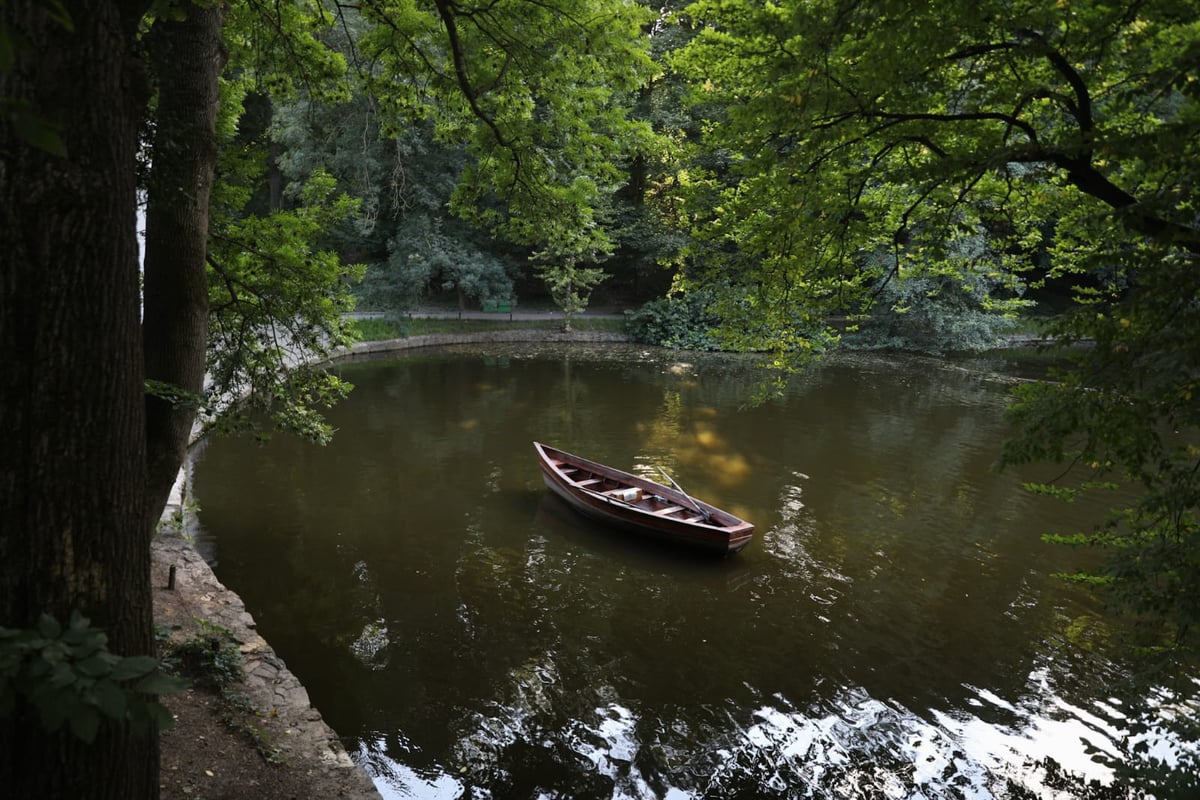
point(892, 630)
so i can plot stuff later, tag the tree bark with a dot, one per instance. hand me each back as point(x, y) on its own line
point(73, 512)
point(187, 57)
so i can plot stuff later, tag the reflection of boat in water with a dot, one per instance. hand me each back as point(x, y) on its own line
point(640, 505)
point(584, 540)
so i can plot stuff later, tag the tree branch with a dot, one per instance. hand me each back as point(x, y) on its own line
point(464, 81)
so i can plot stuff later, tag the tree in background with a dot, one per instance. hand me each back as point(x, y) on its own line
point(465, 142)
point(570, 284)
point(874, 141)
point(645, 216)
point(404, 233)
point(936, 310)
point(537, 95)
point(186, 56)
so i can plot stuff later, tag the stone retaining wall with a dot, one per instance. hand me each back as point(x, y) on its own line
point(371, 349)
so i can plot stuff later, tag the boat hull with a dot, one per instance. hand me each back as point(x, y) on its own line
point(633, 503)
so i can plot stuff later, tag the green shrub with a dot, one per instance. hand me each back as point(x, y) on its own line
point(210, 657)
point(682, 321)
point(934, 314)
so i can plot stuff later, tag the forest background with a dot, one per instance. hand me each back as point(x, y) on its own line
point(742, 172)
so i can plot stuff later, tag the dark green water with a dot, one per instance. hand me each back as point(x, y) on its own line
point(892, 631)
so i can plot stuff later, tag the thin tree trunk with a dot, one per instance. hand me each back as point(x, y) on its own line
point(73, 530)
point(187, 57)
point(274, 173)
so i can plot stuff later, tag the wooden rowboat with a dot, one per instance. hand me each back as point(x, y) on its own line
point(640, 505)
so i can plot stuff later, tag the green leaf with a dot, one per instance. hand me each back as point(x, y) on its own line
point(62, 675)
point(97, 665)
point(82, 644)
point(57, 11)
point(48, 627)
point(37, 669)
point(160, 716)
point(133, 667)
point(84, 723)
point(37, 132)
point(109, 698)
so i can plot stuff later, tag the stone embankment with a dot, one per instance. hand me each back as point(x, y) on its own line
point(270, 685)
point(371, 349)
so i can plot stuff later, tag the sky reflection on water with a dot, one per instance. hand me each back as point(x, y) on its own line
point(854, 746)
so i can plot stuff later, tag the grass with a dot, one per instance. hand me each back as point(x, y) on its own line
point(377, 329)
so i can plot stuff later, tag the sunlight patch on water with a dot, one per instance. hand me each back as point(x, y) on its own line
point(1171, 708)
point(865, 747)
point(530, 694)
point(855, 746)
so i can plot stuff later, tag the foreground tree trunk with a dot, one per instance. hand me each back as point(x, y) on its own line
point(187, 57)
point(73, 512)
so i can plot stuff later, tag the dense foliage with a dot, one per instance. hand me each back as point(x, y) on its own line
point(406, 139)
point(920, 173)
point(883, 152)
point(684, 321)
point(930, 313)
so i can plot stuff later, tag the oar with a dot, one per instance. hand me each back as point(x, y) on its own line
point(695, 506)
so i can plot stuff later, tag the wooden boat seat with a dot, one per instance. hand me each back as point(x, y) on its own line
point(590, 482)
point(666, 512)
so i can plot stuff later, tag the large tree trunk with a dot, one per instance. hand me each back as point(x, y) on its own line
point(73, 513)
point(187, 56)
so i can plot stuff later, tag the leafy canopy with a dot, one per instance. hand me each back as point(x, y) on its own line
point(1022, 142)
point(870, 142)
point(537, 92)
point(277, 296)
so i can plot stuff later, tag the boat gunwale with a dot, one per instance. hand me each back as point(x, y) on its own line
point(727, 534)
